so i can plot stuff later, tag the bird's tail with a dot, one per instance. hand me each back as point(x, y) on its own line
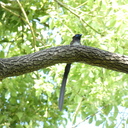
point(62, 90)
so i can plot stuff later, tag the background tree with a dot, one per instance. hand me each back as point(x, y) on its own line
point(94, 94)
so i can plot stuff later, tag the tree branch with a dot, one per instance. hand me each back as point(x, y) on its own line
point(19, 65)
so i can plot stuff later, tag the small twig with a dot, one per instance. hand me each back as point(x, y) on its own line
point(77, 110)
point(122, 118)
point(82, 4)
point(4, 6)
point(30, 25)
point(89, 117)
point(81, 19)
point(68, 29)
point(24, 19)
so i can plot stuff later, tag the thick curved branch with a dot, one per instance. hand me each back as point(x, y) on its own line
point(15, 66)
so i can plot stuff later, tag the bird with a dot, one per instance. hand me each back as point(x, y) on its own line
point(75, 41)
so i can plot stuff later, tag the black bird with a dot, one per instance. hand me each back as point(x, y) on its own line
point(75, 41)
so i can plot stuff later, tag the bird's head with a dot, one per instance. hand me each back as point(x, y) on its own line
point(77, 37)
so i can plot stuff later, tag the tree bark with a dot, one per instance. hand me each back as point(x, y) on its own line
point(19, 65)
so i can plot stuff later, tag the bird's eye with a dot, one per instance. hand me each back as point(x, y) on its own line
point(77, 35)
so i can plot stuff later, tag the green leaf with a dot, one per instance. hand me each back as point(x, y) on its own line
point(99, 122)
point(20, 115)
point(2, 54)
point(90, 120)
point(44, 19)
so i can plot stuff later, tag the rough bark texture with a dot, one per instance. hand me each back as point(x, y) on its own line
point(19, 65)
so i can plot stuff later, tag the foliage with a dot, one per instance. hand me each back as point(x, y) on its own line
point(92, 93)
